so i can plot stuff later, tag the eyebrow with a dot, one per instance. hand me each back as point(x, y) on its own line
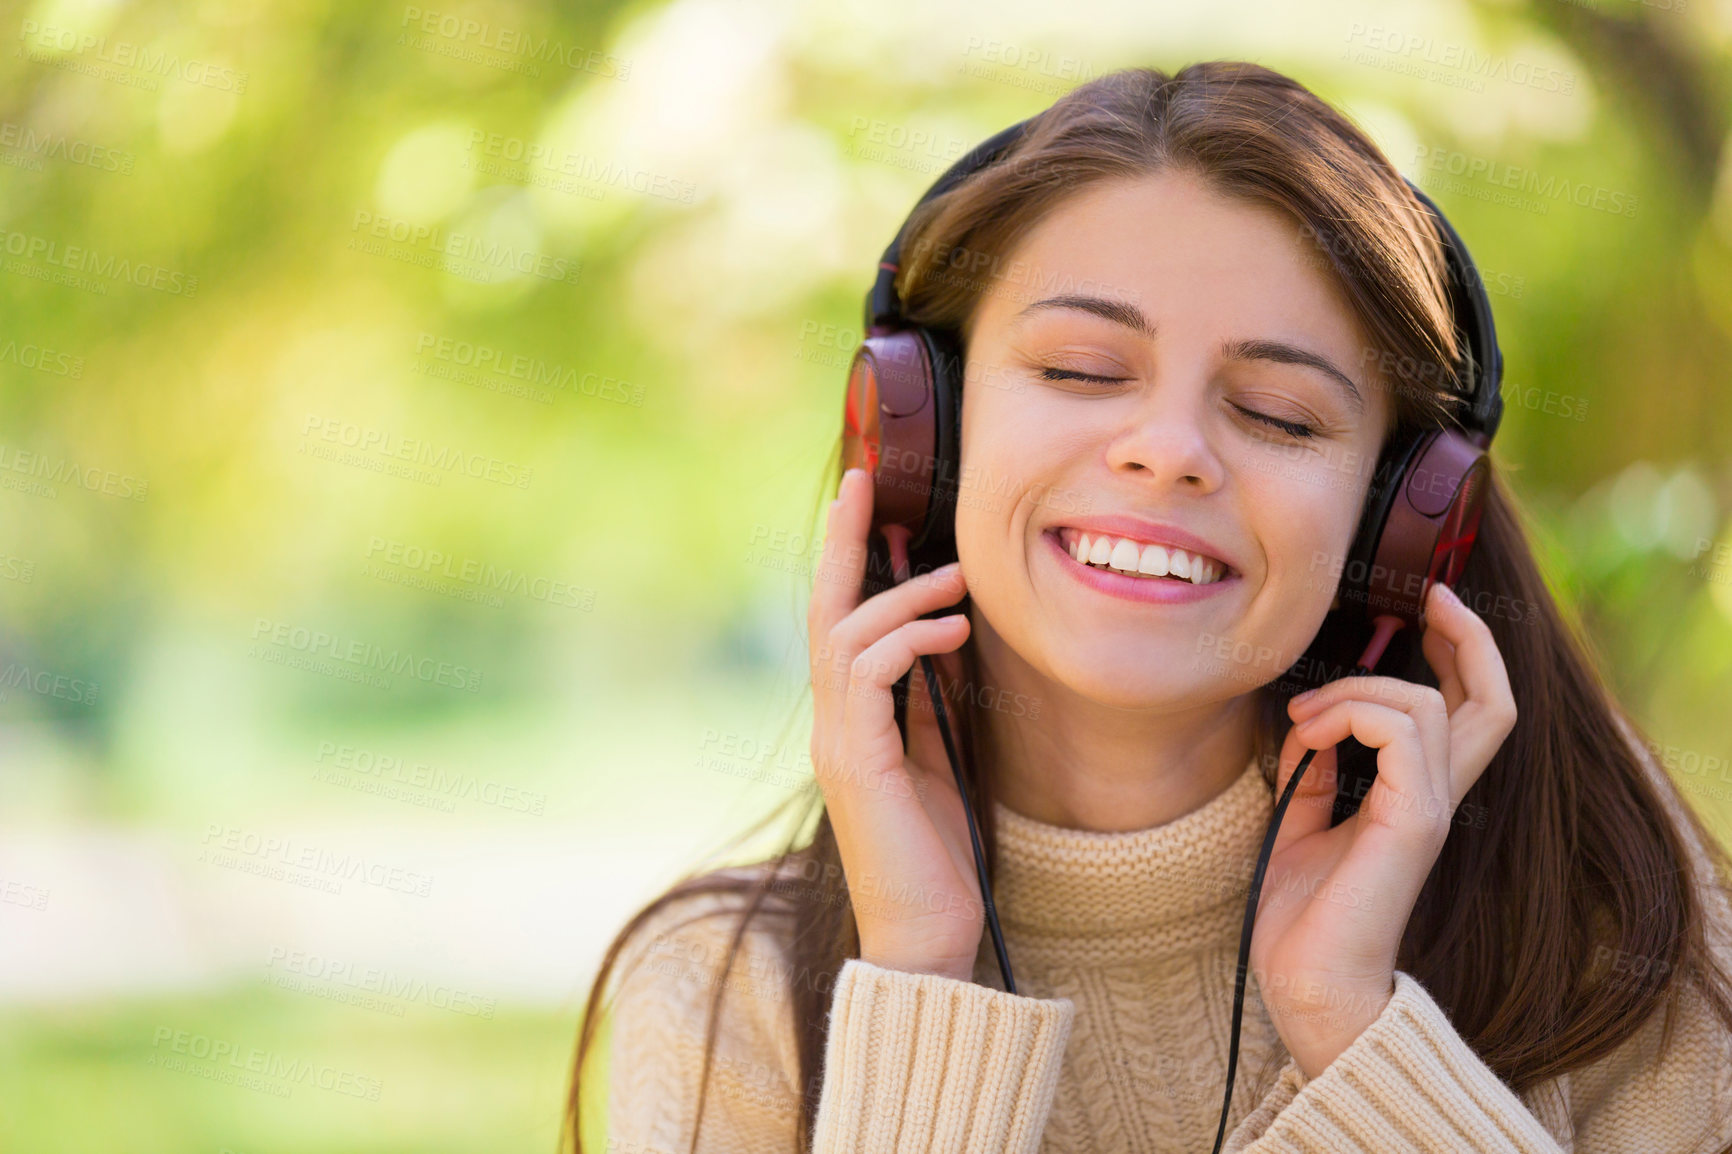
point(1283, 353)
point(1278, 352)
point(1119, 312)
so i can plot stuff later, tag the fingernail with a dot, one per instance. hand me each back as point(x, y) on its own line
point(1447, 593)
point(1309, 693)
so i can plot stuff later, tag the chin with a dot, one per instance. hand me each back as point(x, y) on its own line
point(1157, 677)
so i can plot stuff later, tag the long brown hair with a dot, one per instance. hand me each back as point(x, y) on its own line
point(1574, 851)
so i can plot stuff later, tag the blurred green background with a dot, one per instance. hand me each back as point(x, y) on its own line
point(413, 417)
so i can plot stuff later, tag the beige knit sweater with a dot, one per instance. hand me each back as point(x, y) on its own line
point(1124, 947)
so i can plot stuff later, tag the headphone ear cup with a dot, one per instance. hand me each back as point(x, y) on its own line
point(900, 423)
point(1433, 521)
point(1420, 518)
point(1353, 593)
point(1419, 524)
point(935, 545)
point(890, 426)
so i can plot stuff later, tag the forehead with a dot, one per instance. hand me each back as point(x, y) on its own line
point(1189, 256)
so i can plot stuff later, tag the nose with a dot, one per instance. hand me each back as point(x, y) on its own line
point(1164, 439)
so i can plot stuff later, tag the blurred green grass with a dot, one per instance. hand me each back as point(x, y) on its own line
point(78, 1081)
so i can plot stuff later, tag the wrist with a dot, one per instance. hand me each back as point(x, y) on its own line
point(1315, 1034)
point(955, 970)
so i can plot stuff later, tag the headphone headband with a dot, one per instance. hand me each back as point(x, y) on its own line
point(1481, 367)
point(883, 306)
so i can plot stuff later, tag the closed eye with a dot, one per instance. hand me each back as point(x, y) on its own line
point(1050, 374)
point(1291, 428)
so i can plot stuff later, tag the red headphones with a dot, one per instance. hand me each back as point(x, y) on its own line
point(902, 424)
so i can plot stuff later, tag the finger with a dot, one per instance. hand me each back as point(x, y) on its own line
point(868, 732)
point(1440, 655)
point(1422, 703)
point(1478, 664)
point(835, 653)
point(896, 606)
point(1406, 793)
point(1391, 691)
point(835, 592)
point(882, 664)
point(925, 743)
point(1313, 799)
point(842, 564)
point(1486, 712)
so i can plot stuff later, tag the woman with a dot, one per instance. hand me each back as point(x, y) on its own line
point(1193, 308)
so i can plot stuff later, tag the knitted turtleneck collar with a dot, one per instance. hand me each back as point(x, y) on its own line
point(1078, 897)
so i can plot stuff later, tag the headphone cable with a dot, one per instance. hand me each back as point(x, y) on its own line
point(931, 678)
point(897, 538)
point(1385, 629)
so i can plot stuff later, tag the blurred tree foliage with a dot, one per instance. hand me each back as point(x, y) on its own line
point(713, 290)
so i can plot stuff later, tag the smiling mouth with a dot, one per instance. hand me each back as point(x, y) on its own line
point(1133, 558)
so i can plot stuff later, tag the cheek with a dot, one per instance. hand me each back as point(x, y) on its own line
point(1305, 514)
point(1013, 462)
point(985, 482)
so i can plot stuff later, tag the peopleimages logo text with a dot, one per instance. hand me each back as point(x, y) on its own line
point(366, 655)
point(1498, 174)
point(78, 258)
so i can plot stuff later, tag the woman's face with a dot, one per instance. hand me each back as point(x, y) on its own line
point(1161, 367)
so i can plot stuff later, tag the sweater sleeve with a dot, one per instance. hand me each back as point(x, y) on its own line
point(1408, 1083)
point(917, 1062)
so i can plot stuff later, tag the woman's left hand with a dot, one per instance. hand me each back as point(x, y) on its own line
point(1335, 902)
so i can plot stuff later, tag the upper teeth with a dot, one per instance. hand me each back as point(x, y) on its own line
point(1128, 556)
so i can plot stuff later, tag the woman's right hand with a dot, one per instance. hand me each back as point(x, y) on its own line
point(897, 815)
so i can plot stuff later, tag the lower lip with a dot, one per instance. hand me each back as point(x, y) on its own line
point(1146, 589)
